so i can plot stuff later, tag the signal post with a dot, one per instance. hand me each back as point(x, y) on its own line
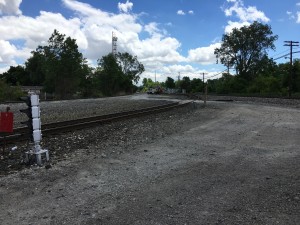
point(34, 126)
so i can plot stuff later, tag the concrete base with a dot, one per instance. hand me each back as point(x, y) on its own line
point(38, 155)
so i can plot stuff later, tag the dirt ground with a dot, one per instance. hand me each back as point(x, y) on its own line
point(227, 163)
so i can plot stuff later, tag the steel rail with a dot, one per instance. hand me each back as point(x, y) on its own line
point(21, 134)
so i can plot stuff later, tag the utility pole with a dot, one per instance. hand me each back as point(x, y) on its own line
point(204, 88)
point(291, 44)
point(203, 81)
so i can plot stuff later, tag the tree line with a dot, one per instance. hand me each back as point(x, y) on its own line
point(276, 80)
point(245, 51)
point(62, 70)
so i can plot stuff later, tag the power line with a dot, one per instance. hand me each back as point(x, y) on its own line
point(282, 56)
point(291, 44)
point(217, 74)
point(286, 55)
point(279, 53)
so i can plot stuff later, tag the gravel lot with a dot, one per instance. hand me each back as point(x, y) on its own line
point(226, 163)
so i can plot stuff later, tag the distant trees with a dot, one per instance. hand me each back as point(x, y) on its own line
point(273, 80)
point(8, 92)
point(116, 73)
point(170, 83)
point(61, 69)
point(245, 49)
point(185, 84)
point(16, 75)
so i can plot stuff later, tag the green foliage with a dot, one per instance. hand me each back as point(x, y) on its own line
point(109, 75)
point(230, 84)
point(170, 83)
point(9, 92)
point(265, 85)
point(296, 76)
point(16, 75)
point(116, 74)
point(59, 64)
point(197, 85)
point(34, 67)
point(185, 84)
point(148, 82)
point(61, 69)
point(130, 66)
point(246, 49)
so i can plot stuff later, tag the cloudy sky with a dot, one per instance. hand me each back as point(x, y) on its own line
point(170, 37)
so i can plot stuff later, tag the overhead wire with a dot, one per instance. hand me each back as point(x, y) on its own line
point(216, 74)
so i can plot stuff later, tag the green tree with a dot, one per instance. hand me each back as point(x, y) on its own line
point(148, 82)
point(63, 66)
point(110, 75)
point(16, 75)
point(170, 83)
point(296, 76)
point(186, 84)
point(130, 66)
point(246, 48)
point(265, 85)
point(34, 67)
point(197, 85)
point(116, 73)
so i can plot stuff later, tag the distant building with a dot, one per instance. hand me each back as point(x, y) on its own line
point(34, 89)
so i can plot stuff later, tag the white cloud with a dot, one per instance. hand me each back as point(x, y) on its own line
point(203, 55)
point(152, 28)
point(180, 12)
point(294, 15)
point(246, 15)
point(7, 52)
point(231, 25)
point(10, 7)
point(92, 28)
point(125, 7)
point(290, 15)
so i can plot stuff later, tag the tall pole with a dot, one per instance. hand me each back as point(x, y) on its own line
point(203, 82)
point(114, 44)
point(291, 44)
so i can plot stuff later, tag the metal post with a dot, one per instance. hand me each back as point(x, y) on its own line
point(205, 95)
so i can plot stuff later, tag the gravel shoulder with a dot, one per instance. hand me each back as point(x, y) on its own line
point(226, 163)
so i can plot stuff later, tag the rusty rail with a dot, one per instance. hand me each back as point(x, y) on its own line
point(21, 134)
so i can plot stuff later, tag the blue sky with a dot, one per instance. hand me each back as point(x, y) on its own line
point(170, 37)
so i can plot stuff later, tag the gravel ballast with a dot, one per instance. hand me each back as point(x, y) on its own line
point(226, 163)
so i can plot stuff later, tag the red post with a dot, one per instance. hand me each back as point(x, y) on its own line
point(6, 122)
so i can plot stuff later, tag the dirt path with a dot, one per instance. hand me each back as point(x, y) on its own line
point(229, 164)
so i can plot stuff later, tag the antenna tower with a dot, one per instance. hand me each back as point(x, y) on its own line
point(114, 44)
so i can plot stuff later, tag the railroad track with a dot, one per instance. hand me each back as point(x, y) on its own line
point(21, 133)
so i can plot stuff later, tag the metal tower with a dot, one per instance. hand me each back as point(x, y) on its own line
point(114, 44)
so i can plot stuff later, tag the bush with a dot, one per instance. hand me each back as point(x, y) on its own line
point(9, 93)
